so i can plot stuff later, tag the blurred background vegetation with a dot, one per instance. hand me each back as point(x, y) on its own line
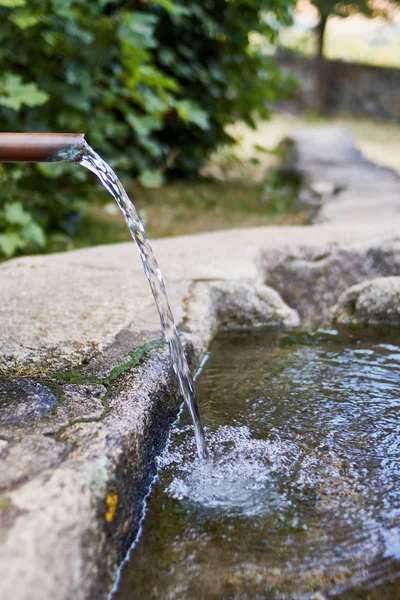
point(175, 95)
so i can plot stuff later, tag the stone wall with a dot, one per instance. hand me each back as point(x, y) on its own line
point(353, 89)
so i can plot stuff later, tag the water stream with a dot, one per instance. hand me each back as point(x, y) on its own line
point(92, 161)
point(300, 498)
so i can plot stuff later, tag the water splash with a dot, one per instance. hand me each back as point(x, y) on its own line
point(92, 161)
point(238, 478)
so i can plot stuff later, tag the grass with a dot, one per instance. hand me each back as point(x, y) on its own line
point(380, 142)
point(187, 207)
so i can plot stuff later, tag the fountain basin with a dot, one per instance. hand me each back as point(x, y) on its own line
point(301, 497)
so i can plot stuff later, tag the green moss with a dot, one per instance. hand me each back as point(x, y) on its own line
point(135, 358)
point(56, 380)
point(75, 376)
point(4, 503)
point(78, 377)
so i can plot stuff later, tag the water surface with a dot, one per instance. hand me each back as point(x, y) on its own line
point(301, 494)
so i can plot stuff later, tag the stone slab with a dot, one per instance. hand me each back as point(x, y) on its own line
point(339, 180)
point(372, 302)
point(311, 277)
point(63, 308)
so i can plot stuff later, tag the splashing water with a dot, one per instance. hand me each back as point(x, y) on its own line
point(92, 161)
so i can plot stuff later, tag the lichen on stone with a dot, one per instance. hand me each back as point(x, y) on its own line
point(111, 501)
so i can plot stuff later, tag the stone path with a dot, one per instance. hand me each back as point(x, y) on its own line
point(87, 391)
point(338, 179)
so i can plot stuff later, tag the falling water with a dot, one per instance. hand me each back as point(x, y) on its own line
point(92, 161)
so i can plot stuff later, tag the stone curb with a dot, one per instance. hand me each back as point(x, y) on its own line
point(373, 302)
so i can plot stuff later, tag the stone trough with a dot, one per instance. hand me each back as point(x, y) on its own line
point(87, 392)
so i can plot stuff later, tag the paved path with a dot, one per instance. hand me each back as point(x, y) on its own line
point(336, 175)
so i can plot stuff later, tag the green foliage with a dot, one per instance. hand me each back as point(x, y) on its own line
point(19, 229)
point(14, 93)
point(151, 179)
point(152, 83)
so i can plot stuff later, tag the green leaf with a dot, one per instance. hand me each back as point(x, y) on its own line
point(152, 148)
point(24, 19)
point(137, 30)
point(166, 4)
point(56, 170)
point(145, 125)
point(190, 112)
point(35, 234)
point(12, 3)
point(151, 179)
point(154, 77)
point(167, 56)
point(10, 242)
point(150, 101)
point(15, 214)
point(61, 5)
point(14, 93)
point(260, 148)
point(179, 12)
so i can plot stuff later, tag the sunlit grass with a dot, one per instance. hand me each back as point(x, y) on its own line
point(187, 207)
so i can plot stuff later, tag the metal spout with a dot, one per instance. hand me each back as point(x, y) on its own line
point(42, 147)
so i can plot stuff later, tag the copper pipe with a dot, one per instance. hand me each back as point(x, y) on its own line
point(41, 147)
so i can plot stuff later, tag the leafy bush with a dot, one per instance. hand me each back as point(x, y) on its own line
point(152, 83)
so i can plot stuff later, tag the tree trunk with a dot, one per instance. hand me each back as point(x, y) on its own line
point(321, 81)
